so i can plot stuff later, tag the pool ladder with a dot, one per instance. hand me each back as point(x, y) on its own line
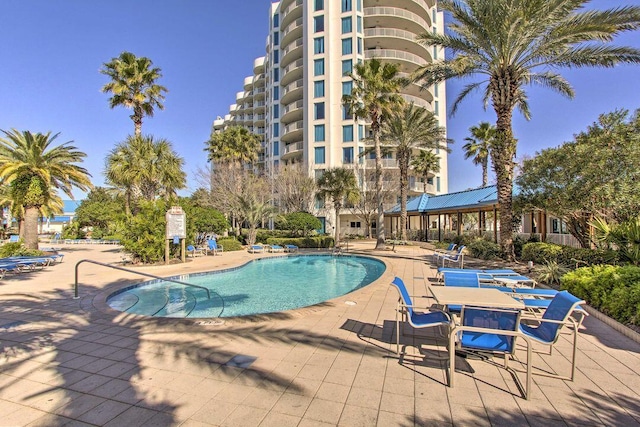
point(153, 276)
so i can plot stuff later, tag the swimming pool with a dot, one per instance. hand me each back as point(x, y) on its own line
point(265, 285)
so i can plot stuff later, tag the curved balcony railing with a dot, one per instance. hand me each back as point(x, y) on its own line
point(395, 54)
point(398, 13)
point(293, 106)
point(295, 24)
point(286, 13)
point(292, 86)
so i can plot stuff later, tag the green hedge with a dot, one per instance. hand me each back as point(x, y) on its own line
point(484, 249)
point(230, 244)
point(614, 290)
point(303, 242)
point(541, 252)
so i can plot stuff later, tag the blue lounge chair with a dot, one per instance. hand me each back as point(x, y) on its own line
point(454, 257)
point(461, 279)
point(256, 248)
point(213, 246)
point(488, 330)
point(556, 315)
point(275, 248)
point(440, 252)
point(194, 252)
point(431, 319)
point(290, 248)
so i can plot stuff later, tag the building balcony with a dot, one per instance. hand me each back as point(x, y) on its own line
point(408, 61)
point(398, 39)
point(292, 92)
point(386, 163)
point(396, 17)
point(248, 83)
point(240, 97)
point(292, 132)
point(418, 102)
point(291, 52)
point(292, 31)
point(290, 13)
point(258, 65)
point(417, 187)
point(419, 7)
point(292, 112)
point(291, 72)
point(292, 151)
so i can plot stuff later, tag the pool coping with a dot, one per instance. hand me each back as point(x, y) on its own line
point(99, 301)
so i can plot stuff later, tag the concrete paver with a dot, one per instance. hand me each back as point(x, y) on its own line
point(78, 362)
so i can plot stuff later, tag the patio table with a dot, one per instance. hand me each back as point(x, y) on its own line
point(478, 297)
point(513, 281)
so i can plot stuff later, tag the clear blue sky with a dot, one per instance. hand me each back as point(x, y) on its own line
point(52, 52)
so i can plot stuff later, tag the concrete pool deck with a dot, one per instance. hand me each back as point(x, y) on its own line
point(75, 362)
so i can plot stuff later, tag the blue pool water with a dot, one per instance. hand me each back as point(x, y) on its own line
point(262, 286)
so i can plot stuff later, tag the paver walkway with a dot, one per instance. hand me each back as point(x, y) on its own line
point(72, 362)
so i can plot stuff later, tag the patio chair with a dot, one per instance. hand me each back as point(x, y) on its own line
point(557, 314)
point(213, 246)
point(462, 279)
point(433, 318)
point(274, 248)
point(437, 253)
point(455, 257)
point(256, 248)
point(488, 330)
point(194, 252)
point(290, 248)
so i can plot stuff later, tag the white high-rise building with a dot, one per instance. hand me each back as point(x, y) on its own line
point(294, 96)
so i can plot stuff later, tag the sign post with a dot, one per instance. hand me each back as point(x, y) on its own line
point(176, 231)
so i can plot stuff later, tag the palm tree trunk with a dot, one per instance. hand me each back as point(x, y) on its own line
point(485, 175)
point(380, 241)
point(337, 232)
point(404, 185)
point(137, 121)
point(31, 214)
point(503, 156)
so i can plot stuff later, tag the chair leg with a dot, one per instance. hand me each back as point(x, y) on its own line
point(397, 332)
point(575, 348)
point(452, 357)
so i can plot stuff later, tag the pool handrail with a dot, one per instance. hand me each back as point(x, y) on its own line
point(153, 276)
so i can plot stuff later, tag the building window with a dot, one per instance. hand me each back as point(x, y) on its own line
point(319, 201)
point(276, 38)
point(435, 90)
point(347, 66)
point(276, 74)
point(347, 87)
point(276, 93)
point(346, 114)
point(360, 156)
point(347, 133)
point(437, 183)
point(360, 132)
point(276, 130)
point(318, 173)
point(430, 181)
point(359, 24)
point(435, 52)
point(318, 67)
point(436, 107)
point(355, 224)
point(434, 15)
point(319, 156)
point(319, 133)
point(276, 148)
point(347, 155)
point(347, 26)
point(346, 5)
point(318, 110)
point(347, 46)
point(318, 5)
point(359, 45)
point(318, 23)
point(276, 20)
point(276, 56)
point(318, 45)
point(359, 5)
point(318, 89)
point(276, 111)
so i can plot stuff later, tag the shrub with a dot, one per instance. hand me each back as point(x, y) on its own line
point(230, 244)
point(614, 290)
point(483, 249)
point(301, 223)
point(144, 236)
point(541, 253)
point(303, 242)
point(17, 249)
point(550, 272)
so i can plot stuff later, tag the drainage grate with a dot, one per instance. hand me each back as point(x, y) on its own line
point(13, 324)
point(240, 361)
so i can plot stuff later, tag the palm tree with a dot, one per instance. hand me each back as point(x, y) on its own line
point(133, 85)
point(338, 184)
point(409, 129)
point(233, 146)
point(426, 162)
point(146, 168)
point(514, 43)
point(34, 170)
point(373, 97)
point(478, 146)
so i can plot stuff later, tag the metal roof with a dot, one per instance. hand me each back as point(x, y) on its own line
point(447, 202)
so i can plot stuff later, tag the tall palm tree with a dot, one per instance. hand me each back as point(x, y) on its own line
point(146, 168)
point(133, 85)
point(426, 162)
point(233, 146)
point(410, 129)
point(338, 184)
point(478, 146)
point(373, 97)
point(34, 170)
point(514, 43)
